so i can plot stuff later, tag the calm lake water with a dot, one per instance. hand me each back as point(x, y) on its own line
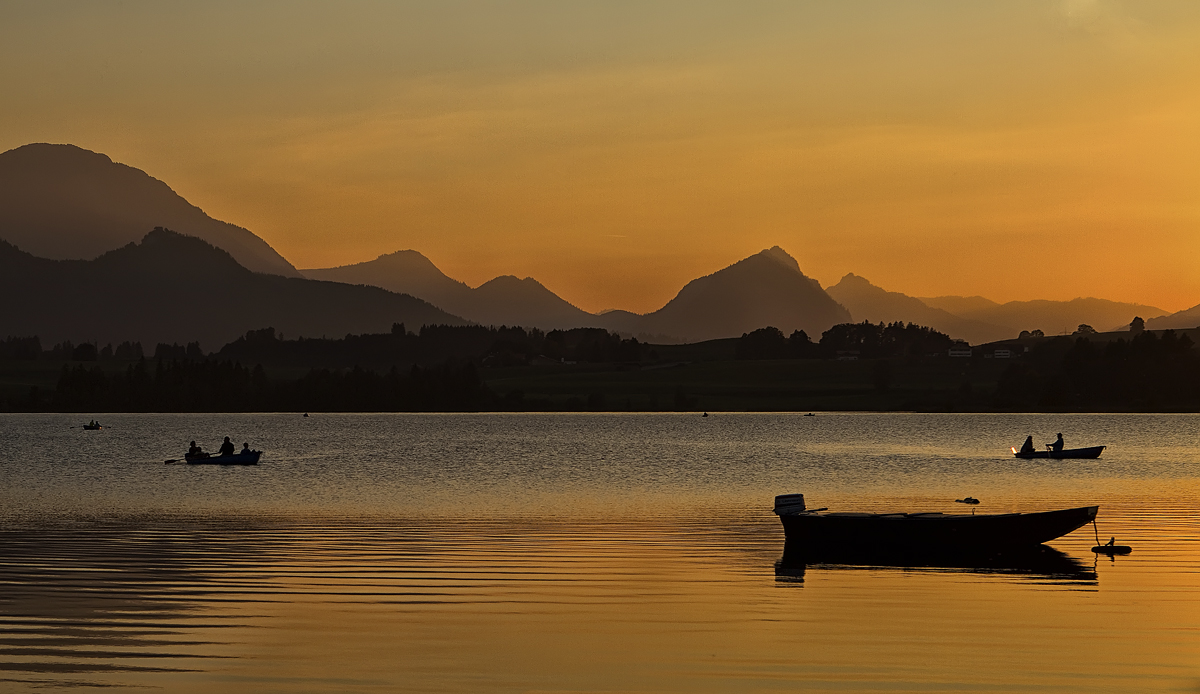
point(581, 552)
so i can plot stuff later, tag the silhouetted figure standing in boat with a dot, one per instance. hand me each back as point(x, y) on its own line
point(1028, 446)
point(1058, 444)
point(227, 447)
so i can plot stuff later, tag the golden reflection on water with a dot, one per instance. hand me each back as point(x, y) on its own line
point(657, 604)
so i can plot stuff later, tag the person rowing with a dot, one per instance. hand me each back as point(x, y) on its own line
point(1058, 444)
point(226, 448)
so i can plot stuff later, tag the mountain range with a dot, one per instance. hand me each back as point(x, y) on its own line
point(767, 288)
point(978, 320)
point(875, 304)
point(1051, 317)
point(78, 261)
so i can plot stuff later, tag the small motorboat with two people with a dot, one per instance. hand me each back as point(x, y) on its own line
point(1057, 449)
point(225, 455)
point(92, 426)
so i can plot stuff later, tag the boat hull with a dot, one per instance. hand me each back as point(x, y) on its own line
point(928, 532)
point(1091, 452)
point(250, 458)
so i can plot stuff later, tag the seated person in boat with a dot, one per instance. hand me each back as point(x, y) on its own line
point(194, 449)
point(1058, 444)
point(245, 448)
point(227, 447)
point(1028, 445)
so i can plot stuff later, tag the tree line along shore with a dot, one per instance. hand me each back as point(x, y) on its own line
point(851, 367)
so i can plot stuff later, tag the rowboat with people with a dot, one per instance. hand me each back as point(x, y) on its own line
point(1089, 452)
point(225, 455)
point(1057, 449)
point(243, 458)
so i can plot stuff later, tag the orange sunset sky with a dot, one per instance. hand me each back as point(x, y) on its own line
point(615, 150)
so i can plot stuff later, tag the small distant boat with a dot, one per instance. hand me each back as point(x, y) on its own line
point(92, 426)
point(1090, 452)
point(247, 458)
point(923, 532)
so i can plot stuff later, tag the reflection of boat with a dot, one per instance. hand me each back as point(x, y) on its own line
point(1090, 452)
point(1039, 560)
point(248, 458)
point(905, 533)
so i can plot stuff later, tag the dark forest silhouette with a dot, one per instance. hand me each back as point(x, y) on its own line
point(442, 368)
point(1146, 373)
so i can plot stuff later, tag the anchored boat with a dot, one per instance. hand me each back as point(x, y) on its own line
point(822, 532)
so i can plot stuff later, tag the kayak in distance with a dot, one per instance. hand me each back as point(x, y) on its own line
point(1090, 452)
point(819, 532)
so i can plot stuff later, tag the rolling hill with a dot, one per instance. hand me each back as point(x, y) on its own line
point(1186, 319)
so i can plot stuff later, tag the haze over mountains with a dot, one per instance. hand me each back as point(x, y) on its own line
point(66, 204)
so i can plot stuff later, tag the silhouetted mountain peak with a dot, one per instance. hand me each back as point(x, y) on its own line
point(64, 157)
point(175, 256)
point(781, 256)
point(406, 258)
point(767, 288)
point(852, 279)
point(512, 282)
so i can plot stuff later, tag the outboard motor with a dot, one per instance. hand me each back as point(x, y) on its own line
point(788, 504)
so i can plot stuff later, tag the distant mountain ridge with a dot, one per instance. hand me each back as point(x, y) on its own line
point(64, 202)
point(1051, 317)
point(175, 288)
point(505, 300)
point(767, 288)
point(868, 302)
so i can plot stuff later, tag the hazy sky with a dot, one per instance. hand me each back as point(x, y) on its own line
point(615, 150)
